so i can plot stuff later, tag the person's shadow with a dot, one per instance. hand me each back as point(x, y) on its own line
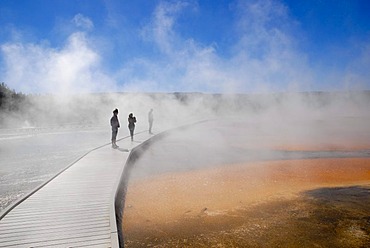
point(122, 149)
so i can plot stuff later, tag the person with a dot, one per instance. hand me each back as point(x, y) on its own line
point(114, 122)
point(131, 125)
point(150, 119)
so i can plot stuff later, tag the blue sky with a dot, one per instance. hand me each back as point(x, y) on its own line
point(210, 46)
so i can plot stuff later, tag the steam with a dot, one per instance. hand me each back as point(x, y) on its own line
point(84, 22)
point(38, 68)
point(265, 57)
point(256, 83)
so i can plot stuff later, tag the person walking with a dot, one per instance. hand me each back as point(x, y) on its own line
point(114, 122)
point(131, 125)
point(150, 120)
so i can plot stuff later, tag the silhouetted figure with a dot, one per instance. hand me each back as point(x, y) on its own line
point(131, 125)
point(115, 125)
point(150, 120)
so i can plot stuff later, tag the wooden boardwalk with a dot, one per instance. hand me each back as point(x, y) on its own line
point(74, 209)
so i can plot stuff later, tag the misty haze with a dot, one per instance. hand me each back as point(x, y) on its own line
point(185, 123)
point(225, 155)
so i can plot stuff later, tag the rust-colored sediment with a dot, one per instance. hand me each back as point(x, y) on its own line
point(156, 205)
point(335, 146)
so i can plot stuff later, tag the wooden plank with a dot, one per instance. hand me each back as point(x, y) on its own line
point(53, 211)
point(62, 215)
point(52, 241)
point(62, 234)
point(48, 230)
point(74, 209)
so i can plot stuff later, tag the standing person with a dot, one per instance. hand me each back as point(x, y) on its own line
point(131, 125)
point(150, 119)
point(115, 125)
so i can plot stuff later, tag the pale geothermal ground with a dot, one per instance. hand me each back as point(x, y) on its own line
point(237, 184)
point(30, 156)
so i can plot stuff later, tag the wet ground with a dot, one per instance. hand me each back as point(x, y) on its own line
point(295, 203)
point(325, 217)
point(211, 187)
point(237, 141)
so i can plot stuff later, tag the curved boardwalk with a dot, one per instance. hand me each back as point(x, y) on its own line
point(76, 208)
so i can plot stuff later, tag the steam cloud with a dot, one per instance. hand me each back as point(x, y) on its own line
point(266, 56)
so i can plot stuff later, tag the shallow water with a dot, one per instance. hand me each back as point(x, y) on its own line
point(256, 208)
point(217, 143)
point(29, 157)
